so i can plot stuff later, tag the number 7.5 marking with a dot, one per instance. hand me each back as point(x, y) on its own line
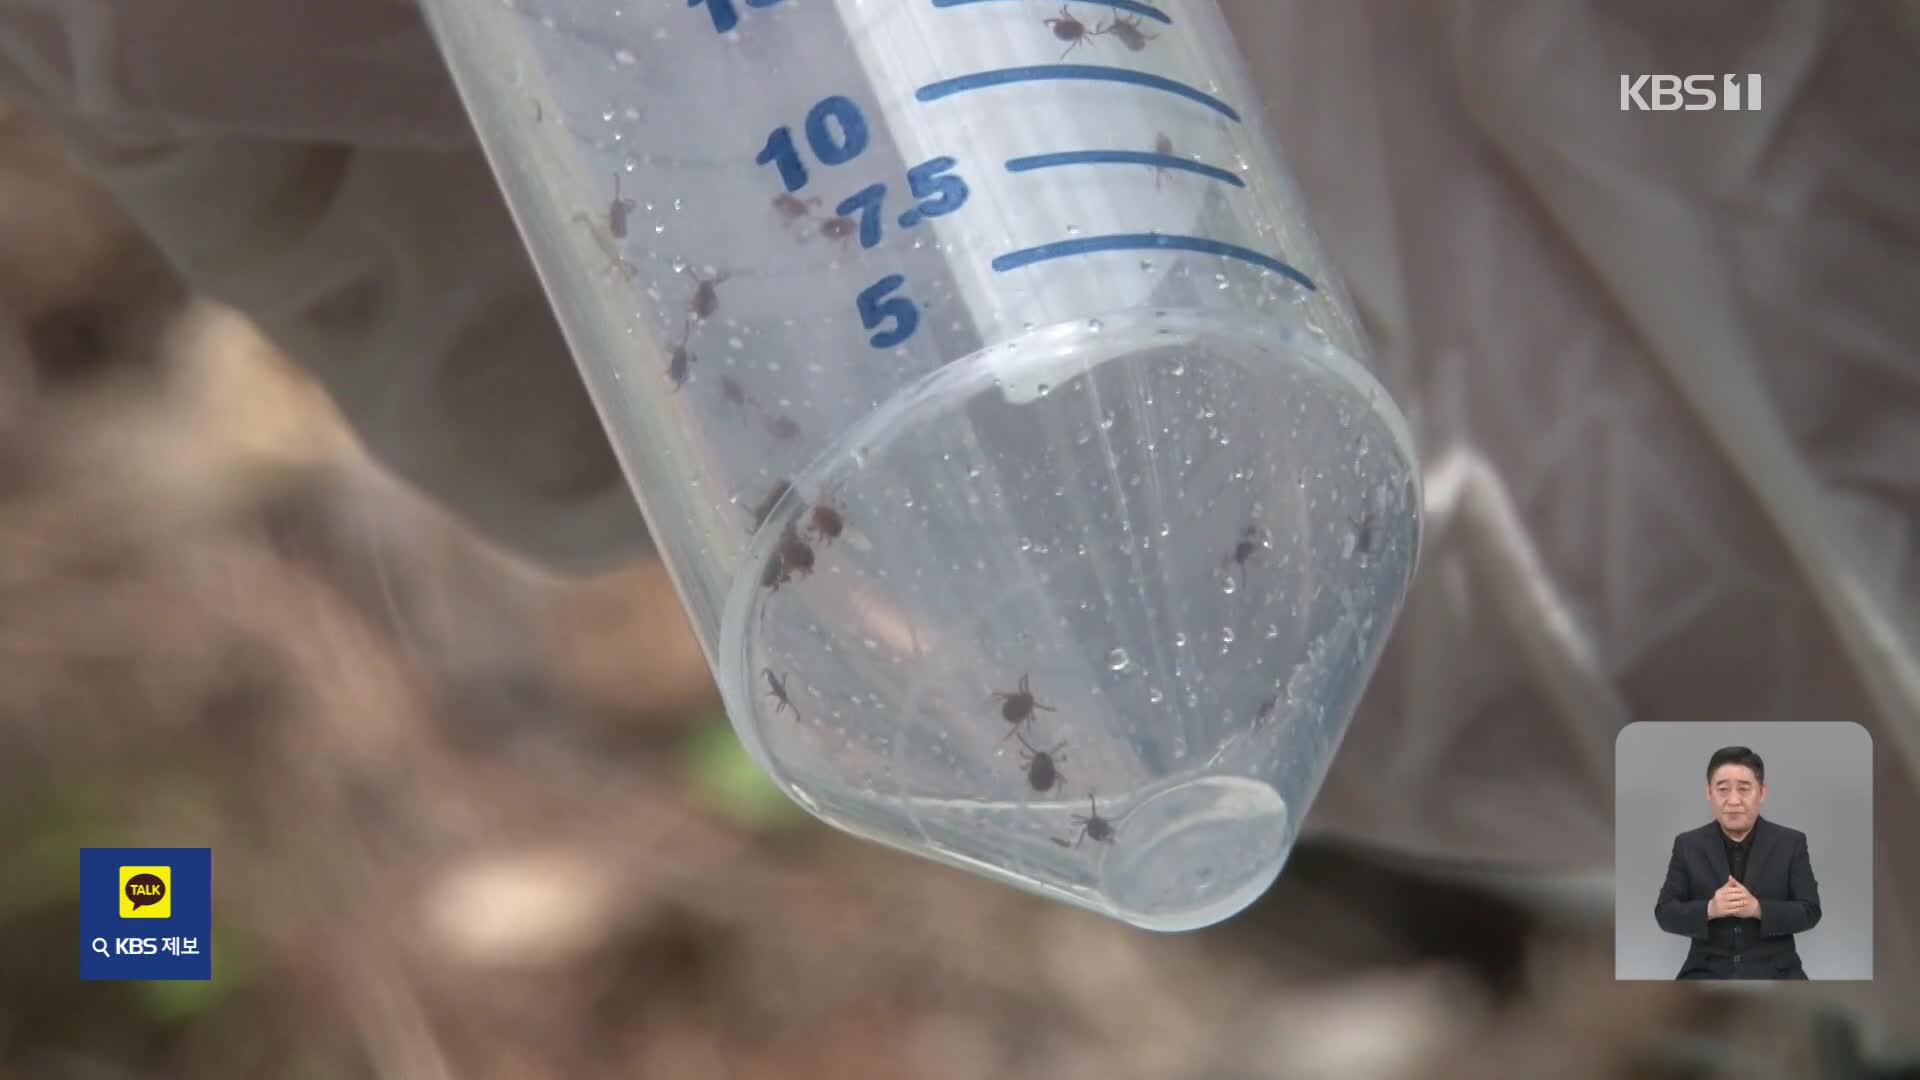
point(939, 193)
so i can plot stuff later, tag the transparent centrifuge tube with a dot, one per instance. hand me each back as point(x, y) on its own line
point(991, 402)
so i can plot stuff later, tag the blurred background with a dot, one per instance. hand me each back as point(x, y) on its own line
point(477, 817)
point(472, 820)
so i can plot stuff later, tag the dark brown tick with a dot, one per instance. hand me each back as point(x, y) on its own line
point(774, 574)
point(793, 208)
point(782, 427)
point(1068, 29)
point(731, 391)
point(793, 557)
point(1128, 31)
point(777, 690)
point(1017, 706)
point(1043, 766)
point(706, 295)
point(839, 228)
point(617, 211)
point(826, 523)
point(679, 366)
point(1242, 551)
point(1363, 537)
point(1264, 712)
point(796, 555)
point(1091, 825)
point(1161, 145)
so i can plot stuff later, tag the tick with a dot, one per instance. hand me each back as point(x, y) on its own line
point(792, 557)
point(731, 390)
point(782, 427)
point(1068, 29)
point(679, 366)
point(839, 228)
point(792, 208)
point(706, 295)
point(617, 211)
point(1091, 825)
point(1363, 537)
point(796, 555)
point(1242, 551)
point(777, 690)
point(826, 523)
point(1128, 31)
point(1264, 712)
point(774, 574)
point(1017, 706)
point(1043, 766)
point(1161, 145)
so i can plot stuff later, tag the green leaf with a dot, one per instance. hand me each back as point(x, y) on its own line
point(720, 769)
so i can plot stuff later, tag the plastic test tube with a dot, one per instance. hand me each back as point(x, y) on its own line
point(988, 397)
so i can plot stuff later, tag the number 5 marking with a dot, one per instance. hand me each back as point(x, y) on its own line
point(874, 311)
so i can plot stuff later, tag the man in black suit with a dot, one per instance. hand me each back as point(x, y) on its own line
point(1740, 886)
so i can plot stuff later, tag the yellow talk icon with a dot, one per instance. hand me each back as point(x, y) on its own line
point(146, 892)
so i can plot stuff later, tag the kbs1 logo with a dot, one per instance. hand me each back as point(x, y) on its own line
point(1693, 93)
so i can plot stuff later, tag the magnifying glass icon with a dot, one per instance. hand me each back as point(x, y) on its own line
point(100, 946)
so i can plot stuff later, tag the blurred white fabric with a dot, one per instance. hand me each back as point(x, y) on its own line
point(1664, 367)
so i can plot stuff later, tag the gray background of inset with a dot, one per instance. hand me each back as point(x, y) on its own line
point(1819, 780)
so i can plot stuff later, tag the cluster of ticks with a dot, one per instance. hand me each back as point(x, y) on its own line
point(1075, 33)
point(680, 360)
point(1017, 707)
point(793, 557)
point(806, 214)
point(1043, 766)
point(700, 307)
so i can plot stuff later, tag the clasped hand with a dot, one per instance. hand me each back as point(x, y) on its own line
point(1733, 900)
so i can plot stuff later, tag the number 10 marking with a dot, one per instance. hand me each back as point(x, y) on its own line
point(830, 113)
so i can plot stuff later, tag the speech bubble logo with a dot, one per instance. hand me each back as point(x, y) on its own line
point(145, 890)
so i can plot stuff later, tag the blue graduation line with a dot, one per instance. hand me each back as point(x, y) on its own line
point(1087, 245)
point(981, 80)
point(1122, 157)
